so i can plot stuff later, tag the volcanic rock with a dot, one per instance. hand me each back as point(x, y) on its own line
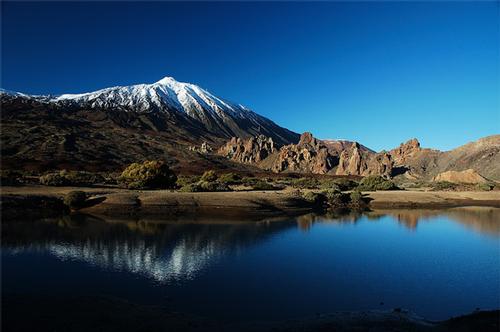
point(252, 150)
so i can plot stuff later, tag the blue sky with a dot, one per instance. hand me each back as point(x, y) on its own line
point(377, 72)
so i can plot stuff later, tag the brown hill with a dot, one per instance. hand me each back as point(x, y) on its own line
point(482, 155)
point(467, 176)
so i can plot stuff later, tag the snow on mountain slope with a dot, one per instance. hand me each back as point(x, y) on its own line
point(218, 116)
point(167, 93)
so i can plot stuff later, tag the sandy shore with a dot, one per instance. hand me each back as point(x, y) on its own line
point(249, 204)
point(431, 199)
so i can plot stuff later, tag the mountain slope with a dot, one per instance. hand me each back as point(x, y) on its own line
point(482, 155)
point(215, 117)
point(109, 128)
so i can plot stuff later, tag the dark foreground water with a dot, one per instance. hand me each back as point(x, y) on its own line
point(437, 263)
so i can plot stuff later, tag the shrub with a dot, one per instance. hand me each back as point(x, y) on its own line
point(71, 178)
point(53, 179)
point(485, 186)
point(209, 176)
point(249, 182)
point(150, 174)
point(79, 178)
point(345, 183)
point(376, 182)
point(263, 185)
point(444, 185)
point(191, 187)
point(305, 183)
point(213, 186)
point(230, 178)
point(329, 184)
point(186, 180)
point(205, 186)
point(356, 199)
point(75, 199)
point(336, 199)
point(313, 197)
point(286, 181)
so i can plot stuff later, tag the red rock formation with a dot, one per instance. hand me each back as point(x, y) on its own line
point(252, 150)
point(309, 155)
point(405, 151)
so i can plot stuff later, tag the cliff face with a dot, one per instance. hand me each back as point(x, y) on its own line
point(406, 151)
point(355, 162)
point(309, 155)
point(251, 150)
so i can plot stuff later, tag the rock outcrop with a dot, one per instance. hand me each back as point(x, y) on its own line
point(405, 151)
point(309, 155)
point(314, 156)
point(355, 162)
point(252, 150)
point(467, 176)
point(204, 148)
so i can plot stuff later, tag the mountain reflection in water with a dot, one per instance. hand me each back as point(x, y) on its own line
point(160, 250)
point(437, 263)
point(166, 251)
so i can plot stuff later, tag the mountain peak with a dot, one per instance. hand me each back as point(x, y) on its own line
point(167, 80)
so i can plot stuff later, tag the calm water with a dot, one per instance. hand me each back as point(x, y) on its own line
point(435, 263)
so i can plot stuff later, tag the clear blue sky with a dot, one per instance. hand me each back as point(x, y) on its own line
point(379, 73)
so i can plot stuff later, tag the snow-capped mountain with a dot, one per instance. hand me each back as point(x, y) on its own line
point(217, 116)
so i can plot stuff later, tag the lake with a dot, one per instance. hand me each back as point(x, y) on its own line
point(436, 263)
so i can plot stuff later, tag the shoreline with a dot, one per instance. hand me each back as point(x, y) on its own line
point(123, 315)
point(109, 201)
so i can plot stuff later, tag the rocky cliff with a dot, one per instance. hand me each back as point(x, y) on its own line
point(251, 150)
point(309, 155)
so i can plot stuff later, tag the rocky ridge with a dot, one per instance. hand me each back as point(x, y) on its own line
point(311, 155)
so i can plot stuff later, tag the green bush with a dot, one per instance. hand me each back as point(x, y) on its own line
point(356, 199)
point(336, 199)
point(151, 174)
point(329, 184)
point(345, 183)
point(263, 185)
point(249, 181)
point(75, 199)
point(80, 178)
point(376, 182)
point(186, 180)
point(53, 179)
point(444, 185)
point(71, 178)
point(191, 187)
point(205, 186)
point(285, 181)
point(305, 183)
point(230, 178)
point(209, 176)
point(313, 197)
point(485, 186)
point(213, 186)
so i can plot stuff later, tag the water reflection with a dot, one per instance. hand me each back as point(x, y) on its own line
point(484, 220)
point(159, 250)
point(167, 251)
point(437, 263)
